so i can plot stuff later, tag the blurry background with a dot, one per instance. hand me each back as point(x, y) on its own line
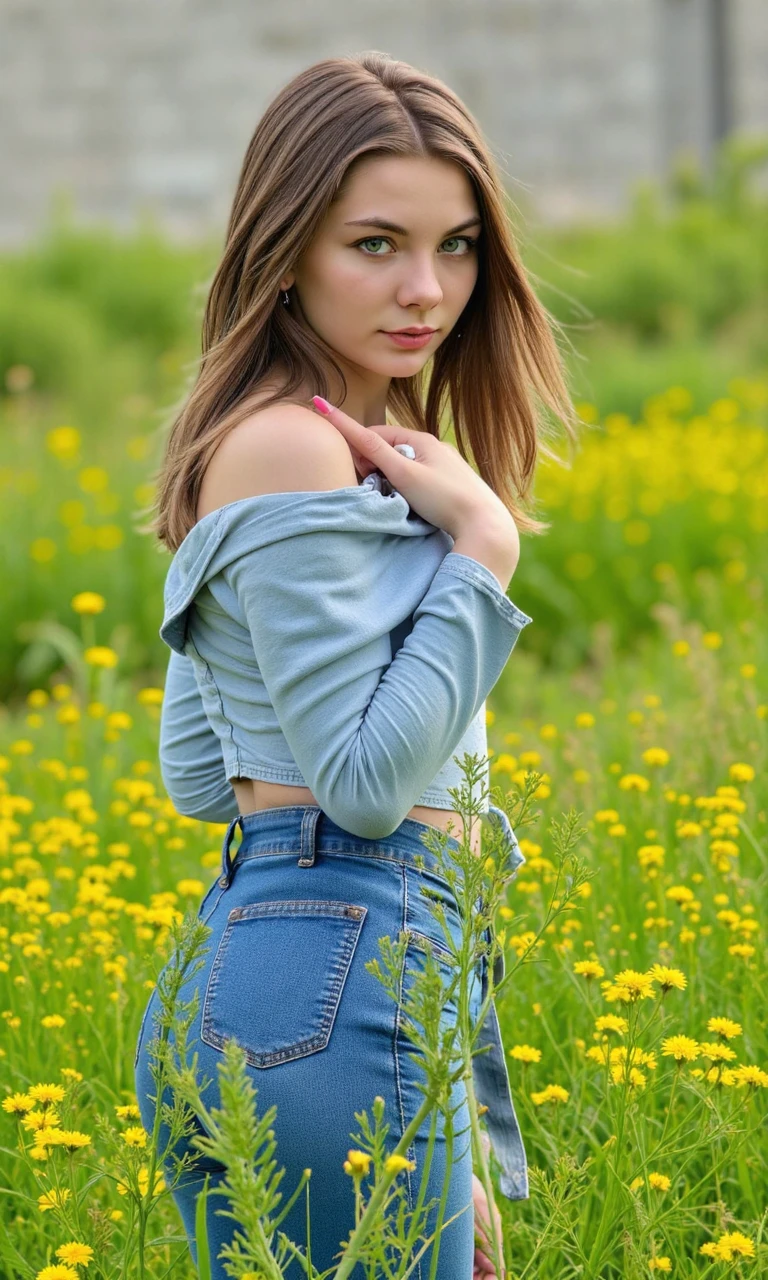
point(150, 104)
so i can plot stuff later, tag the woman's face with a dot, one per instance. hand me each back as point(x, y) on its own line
point(360, 278)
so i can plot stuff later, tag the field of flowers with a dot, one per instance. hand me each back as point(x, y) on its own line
point(633, 1012)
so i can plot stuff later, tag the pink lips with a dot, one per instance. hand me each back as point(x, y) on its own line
point(411, 341)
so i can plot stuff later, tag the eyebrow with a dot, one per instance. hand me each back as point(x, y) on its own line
point(385, 225)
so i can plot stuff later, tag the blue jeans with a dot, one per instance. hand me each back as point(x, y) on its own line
point(294, 918)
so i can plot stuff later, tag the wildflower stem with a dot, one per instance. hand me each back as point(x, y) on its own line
point(368, 1219)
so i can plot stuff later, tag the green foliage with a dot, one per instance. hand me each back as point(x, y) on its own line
point(681, 280)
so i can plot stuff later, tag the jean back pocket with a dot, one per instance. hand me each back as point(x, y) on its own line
point(278, 976)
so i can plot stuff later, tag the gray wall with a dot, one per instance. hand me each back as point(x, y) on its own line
point(136, 104)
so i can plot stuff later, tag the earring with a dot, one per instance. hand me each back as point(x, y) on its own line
point(286, 299)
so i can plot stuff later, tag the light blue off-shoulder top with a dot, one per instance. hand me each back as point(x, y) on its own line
point(328, 639)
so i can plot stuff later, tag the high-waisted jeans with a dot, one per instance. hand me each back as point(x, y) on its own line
point(294, 918)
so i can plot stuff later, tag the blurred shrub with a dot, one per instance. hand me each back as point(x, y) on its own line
point(686, 262)
point(96, 316)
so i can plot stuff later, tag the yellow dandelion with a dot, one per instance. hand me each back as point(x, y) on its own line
point(680, 893)
point(681, 1048)
point(741, 772)
point(53, 1199)
point(634, 782)
point(668, 978)
point(525, 1053)
point(72, 1139)
point(750, 1075)
point(659, 1181)
point(129, 1111)
point(690, 828)
point(88, 602)
point(639, 986)
point(744, 950)
point(612, 1022)
point(730, 1244)
point(100, 655)
point(662, 1263)
point(588, 969)
point(396, 1164)
point(63, 442)
point(655, 756)
point(606, 815)
point(46, 1094)
point(79, 1255)
point(135, 1136)
point(191, 888)
point(724, 1027)
point(57, 1272)
point(552, 1093)
point(357, 1163)
point(717, 1051)
point(18, 1104)
point(39, 1120)
point(738, 1244)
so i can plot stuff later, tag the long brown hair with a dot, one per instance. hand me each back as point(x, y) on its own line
point(498, 379)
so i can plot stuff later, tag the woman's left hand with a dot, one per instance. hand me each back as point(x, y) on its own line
point(483, 1268)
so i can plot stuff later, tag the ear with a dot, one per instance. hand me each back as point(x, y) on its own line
point(287, 281)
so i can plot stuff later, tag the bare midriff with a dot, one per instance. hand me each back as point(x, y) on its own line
point(254, 795)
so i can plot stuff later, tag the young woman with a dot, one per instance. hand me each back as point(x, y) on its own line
point(336, 608)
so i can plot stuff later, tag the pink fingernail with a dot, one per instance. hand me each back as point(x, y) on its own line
point(321, 404)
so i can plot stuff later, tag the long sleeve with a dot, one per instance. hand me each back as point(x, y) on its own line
point(191, 760)
point(367, 730)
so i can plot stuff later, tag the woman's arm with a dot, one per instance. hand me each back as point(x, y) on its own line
point(191, 763)
point(369, 732)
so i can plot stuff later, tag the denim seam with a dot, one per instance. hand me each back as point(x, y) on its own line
point(395, 1042)
point(438, 948)
point(141, 1032)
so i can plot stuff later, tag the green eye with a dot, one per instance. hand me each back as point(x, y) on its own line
point(374, 240)
point(469, 241)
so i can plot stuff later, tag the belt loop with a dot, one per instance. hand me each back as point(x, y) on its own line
point(227, 868)
point(308, 829)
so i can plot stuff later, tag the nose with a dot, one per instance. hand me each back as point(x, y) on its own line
point(420, 286)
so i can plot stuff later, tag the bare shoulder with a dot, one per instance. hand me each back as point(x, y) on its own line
point(283, 448)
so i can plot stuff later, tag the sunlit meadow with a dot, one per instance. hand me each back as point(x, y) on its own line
point(634, 1012)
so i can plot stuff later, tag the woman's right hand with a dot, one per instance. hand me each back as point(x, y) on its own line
point(438, 484)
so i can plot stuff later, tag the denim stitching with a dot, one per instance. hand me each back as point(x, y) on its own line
point(410, 1155)
point(337, 976)
point(141, 1032)
point(438, 948)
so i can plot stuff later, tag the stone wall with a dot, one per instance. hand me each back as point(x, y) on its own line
point(149, 104)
